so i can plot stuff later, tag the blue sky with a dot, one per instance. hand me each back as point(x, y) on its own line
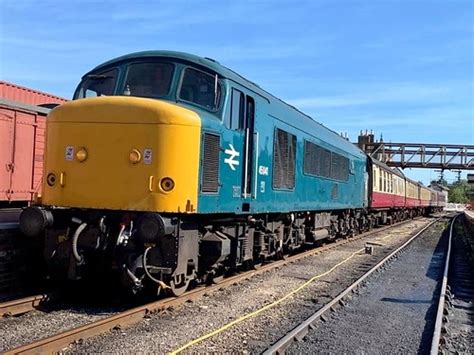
point(402, 68)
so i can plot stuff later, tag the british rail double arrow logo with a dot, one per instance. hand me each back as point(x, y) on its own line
point(232, 155)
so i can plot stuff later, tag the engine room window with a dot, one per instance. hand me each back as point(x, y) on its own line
point(317, 160)
point(200, 88)
point(148, 79)
point(339, 167)
point(94, 85)
point(322, 162)
point(312, 159)
point(284, 155)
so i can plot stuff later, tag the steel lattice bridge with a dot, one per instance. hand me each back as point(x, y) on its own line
point(419, 155)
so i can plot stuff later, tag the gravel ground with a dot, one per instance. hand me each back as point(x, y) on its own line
point(167, 331)
point(394, 312)
point(17, 331)
point(460, 335)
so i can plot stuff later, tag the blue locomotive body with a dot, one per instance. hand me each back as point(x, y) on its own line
point(259, 170)
point(327, 172)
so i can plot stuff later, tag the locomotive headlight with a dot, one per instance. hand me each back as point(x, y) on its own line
point(81, 155)
point(135, 156)
point(51, 179)
point(167, 184)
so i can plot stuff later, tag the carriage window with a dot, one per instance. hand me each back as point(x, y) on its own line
point(102, 84)
point(148, 79)
point(374, 182)
point(380, 180)
point(200, 88)
point(284, 155)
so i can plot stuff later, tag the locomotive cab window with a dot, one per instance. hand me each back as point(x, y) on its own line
point(200, 88)
point(93, 85)
point(151, 80)
point(236, 119)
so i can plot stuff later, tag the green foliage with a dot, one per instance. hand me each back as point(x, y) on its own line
point(459, 192)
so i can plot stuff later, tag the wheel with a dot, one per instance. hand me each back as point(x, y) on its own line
point(178, 286)
point(218, 278)
point(257, 263)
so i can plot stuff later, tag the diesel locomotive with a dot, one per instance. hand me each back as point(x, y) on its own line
point(169, 169)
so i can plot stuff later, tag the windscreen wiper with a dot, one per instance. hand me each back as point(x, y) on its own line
point(98, 76)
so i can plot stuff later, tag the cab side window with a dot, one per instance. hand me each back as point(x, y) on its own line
point(236, 119)
point(200, 88)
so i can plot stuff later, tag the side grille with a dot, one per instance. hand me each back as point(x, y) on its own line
point(210, 163)
point(322, 162)
point(284, 155)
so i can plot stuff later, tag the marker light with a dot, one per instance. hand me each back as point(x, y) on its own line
point(51, 179)
point(81, 155)
point(167, 184)
point(135, 156)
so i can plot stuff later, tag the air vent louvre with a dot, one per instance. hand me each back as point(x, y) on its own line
point(210, 163)
point(284, 156)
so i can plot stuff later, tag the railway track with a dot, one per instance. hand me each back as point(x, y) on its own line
point(454, 330)
point(25, 304)
point(442, 297)
point(299, 332)
point(61, 340)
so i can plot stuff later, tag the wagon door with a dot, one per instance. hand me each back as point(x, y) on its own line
point(17, 129)
point(23, 157)
point(7, 120)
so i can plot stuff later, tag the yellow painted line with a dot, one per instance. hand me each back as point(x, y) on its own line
point(263, 309)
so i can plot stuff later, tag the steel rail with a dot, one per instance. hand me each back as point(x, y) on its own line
point(24, 305)
point(442, 297)
point(300, 331)
point(61, 340)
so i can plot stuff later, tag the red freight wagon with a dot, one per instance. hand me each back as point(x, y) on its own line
point(26, 96)
point(22, 133)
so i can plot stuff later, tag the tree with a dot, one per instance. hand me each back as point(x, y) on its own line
point(459, 192)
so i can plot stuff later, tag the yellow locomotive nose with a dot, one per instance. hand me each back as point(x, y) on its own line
point(122, 153)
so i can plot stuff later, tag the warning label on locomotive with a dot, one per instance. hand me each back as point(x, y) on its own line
point(69, 154)
point(147, 155)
